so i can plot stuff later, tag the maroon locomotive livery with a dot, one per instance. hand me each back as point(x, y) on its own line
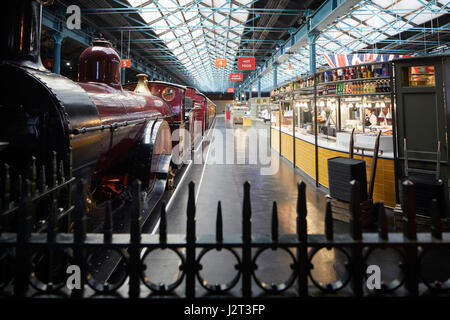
point(193, 111)
point(113, 136)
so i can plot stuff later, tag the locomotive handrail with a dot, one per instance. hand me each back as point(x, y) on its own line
point(40, 195)
point(112, 126)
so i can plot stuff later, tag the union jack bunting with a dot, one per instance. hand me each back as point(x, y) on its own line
point(343, 60)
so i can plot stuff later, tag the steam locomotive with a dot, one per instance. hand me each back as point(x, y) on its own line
point(191, 108)
point(107, 135)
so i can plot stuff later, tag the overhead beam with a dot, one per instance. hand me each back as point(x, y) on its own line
point(51, 21)
point(318, 21)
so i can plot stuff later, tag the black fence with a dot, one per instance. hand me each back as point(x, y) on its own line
point(34, 264)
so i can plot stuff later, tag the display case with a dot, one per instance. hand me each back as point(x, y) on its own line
point(303, 107)
point(239, 111)
point(260, 108)
point(355, 98)
point(317, 113)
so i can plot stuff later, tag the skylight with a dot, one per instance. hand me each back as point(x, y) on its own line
point(198, 32)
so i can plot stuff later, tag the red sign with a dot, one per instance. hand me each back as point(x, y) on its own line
point(230, 90)
point(126, 63)
point(48, 63)
point(221, 62)
point(246, 63)
point(236, 77)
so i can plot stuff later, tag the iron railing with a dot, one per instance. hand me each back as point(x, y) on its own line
point(39, 185)
point(20, 277)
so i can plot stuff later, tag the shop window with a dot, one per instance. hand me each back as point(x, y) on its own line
point(378, 116)
point(286, 116)
point(327, 117)
point(304, 116)
point(351, 115)
point(418, 76)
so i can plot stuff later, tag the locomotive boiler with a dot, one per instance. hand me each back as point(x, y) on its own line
point(107, 135)
point(190, 107)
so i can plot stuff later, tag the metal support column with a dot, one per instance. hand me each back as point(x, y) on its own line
point(259, 87)
point(58, 37)
point(123, 75)
point(312, 36)
point(250, 88)
point(275, 75)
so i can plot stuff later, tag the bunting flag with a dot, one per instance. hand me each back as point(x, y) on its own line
point(343, 60)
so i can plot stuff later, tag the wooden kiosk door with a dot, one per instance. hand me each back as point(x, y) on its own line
point(421, 115)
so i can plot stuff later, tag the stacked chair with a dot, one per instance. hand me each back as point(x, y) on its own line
point(341, 171)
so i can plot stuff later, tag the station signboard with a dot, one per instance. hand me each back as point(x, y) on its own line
point(230, 90)
point(246, 63)
point(221, 62)
point(236, 77)
point(125, 63)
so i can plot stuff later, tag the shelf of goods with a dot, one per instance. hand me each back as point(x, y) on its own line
point(238, 112)
point(260, 108)
point(312, 118)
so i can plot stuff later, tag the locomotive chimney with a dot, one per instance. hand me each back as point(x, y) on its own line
point(142, 86)
point(20, 41)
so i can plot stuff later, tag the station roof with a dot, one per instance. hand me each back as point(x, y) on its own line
point(186, 36)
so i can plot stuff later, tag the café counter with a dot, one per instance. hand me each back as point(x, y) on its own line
point(301, 151)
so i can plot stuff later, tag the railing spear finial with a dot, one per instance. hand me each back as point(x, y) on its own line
point(43, 185)
point(410, 233)
point(163, 225)
point(247, 266)
point(108, 223)
point(302, 236)
point(302, 227)
point(135, 237)
point(219, 224)
point(274, 222)
point(55, 169)
point(409, 211)
point(382, 220)
point(33, 175)
point(52, 228)
point(329, 232)
point(191, 264)
point(436, 225)
point(63, 175)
